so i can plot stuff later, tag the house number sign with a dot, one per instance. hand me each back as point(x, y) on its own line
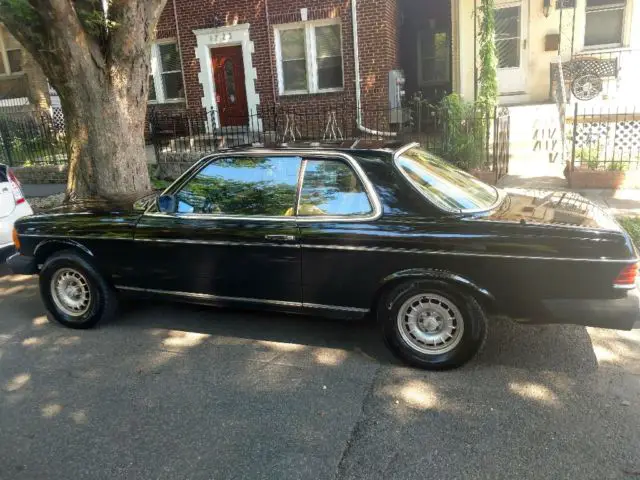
point(220, 37)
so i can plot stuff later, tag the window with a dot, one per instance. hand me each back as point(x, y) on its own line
point(433, 57)
point(508, 37)
point(444, 185)
point(10, 53)
point(263, 186)
point(331, 187)
point(309, 57)
point(165, 79)
point(604, 23)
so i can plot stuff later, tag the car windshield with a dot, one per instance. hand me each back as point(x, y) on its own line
point(444, 185)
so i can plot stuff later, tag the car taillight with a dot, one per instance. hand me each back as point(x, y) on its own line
point(627, 277)
point(15, 188)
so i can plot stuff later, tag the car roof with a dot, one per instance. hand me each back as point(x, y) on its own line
point(356, 147)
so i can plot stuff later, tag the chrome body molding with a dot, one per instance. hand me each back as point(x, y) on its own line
point(463, 254)
point(225, 243)
point(335, 307)
point(206, 296)
point(74, 237)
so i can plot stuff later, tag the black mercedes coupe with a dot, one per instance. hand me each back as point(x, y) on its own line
point(388, 233)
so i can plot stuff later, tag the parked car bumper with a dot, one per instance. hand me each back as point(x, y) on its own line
point(619, 313)
point(22, 264)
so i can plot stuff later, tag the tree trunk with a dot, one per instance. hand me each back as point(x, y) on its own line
point(96, 55)
point(105, 138)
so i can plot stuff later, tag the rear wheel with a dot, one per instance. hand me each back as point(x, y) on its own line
point(74, 292)
point(432, 325)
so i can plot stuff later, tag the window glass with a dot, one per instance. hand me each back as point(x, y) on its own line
point(243, 186)
point(294, 63)
point(444, 185)
point(329, 56)
point(434, 56)
point(331, 187)
point(604, 27)
point(508, 37)
point(15, 60)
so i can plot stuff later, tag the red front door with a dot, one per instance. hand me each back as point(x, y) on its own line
point(231, 96)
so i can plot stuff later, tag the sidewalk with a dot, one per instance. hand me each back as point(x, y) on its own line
point(43, 190)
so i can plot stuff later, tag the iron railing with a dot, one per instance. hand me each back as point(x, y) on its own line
point(474, 139)
point(605, 138)
point(29, 137)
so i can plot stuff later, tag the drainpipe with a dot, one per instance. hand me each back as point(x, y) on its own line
point(356, 57)
point(184, 83)
point(273, 78)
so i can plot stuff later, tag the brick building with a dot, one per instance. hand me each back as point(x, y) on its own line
point(237, 56)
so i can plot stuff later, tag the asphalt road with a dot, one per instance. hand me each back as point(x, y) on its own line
point(185, 392)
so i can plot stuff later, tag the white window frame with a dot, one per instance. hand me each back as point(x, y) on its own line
point(156, 72)
point(5, 59)
point(621, 5)
point(310, 55)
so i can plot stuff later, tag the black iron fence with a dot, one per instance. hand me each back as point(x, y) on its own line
point(472, 138)
point(604, 138)
point(30, 137)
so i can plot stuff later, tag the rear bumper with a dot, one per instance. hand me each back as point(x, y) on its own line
point(619, 314)
point(22, 264)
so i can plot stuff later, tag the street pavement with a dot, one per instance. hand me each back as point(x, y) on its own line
point(169, 391)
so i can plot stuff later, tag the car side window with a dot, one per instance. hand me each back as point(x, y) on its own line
point(244, 186)
point(331, 187)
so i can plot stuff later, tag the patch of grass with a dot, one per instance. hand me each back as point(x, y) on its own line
point(632, 226)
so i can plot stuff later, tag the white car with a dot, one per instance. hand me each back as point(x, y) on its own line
point(13, 206)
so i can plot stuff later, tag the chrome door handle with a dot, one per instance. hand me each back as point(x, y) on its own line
point(281, 238)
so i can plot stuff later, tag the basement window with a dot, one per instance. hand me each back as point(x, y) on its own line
point(309, 57)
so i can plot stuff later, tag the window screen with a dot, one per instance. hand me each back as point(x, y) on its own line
point(294, 62)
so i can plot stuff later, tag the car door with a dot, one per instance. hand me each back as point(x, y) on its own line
point(234, 234)
point(336, 214)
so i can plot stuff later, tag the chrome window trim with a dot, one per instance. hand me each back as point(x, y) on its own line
point(206, 296)
point(463, 254)
point(372, 195)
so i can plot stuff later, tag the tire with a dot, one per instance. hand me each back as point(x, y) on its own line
point(84, 298)
point(414, 314)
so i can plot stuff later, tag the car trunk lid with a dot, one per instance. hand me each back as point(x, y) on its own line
point(553, 208)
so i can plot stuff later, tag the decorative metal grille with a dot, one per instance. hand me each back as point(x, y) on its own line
point(607, 143)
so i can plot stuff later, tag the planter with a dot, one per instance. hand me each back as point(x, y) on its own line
point(603, 179)
point(485, 175)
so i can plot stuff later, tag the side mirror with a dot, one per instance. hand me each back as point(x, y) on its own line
point(167, 204)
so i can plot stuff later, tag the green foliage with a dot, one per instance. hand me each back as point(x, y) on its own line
point(464, 126)
point(488, 76)
point(598, 158)
point(632, 226)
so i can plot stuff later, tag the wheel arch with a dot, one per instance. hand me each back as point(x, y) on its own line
point(395, 280)
point(46, 248)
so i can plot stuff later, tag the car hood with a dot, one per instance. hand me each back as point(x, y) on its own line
point(552, 208)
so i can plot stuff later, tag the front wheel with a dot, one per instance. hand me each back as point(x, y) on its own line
point(432, 325)
point(74, 292)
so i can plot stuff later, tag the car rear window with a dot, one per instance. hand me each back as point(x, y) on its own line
point(3, 174)
point(444, 185)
